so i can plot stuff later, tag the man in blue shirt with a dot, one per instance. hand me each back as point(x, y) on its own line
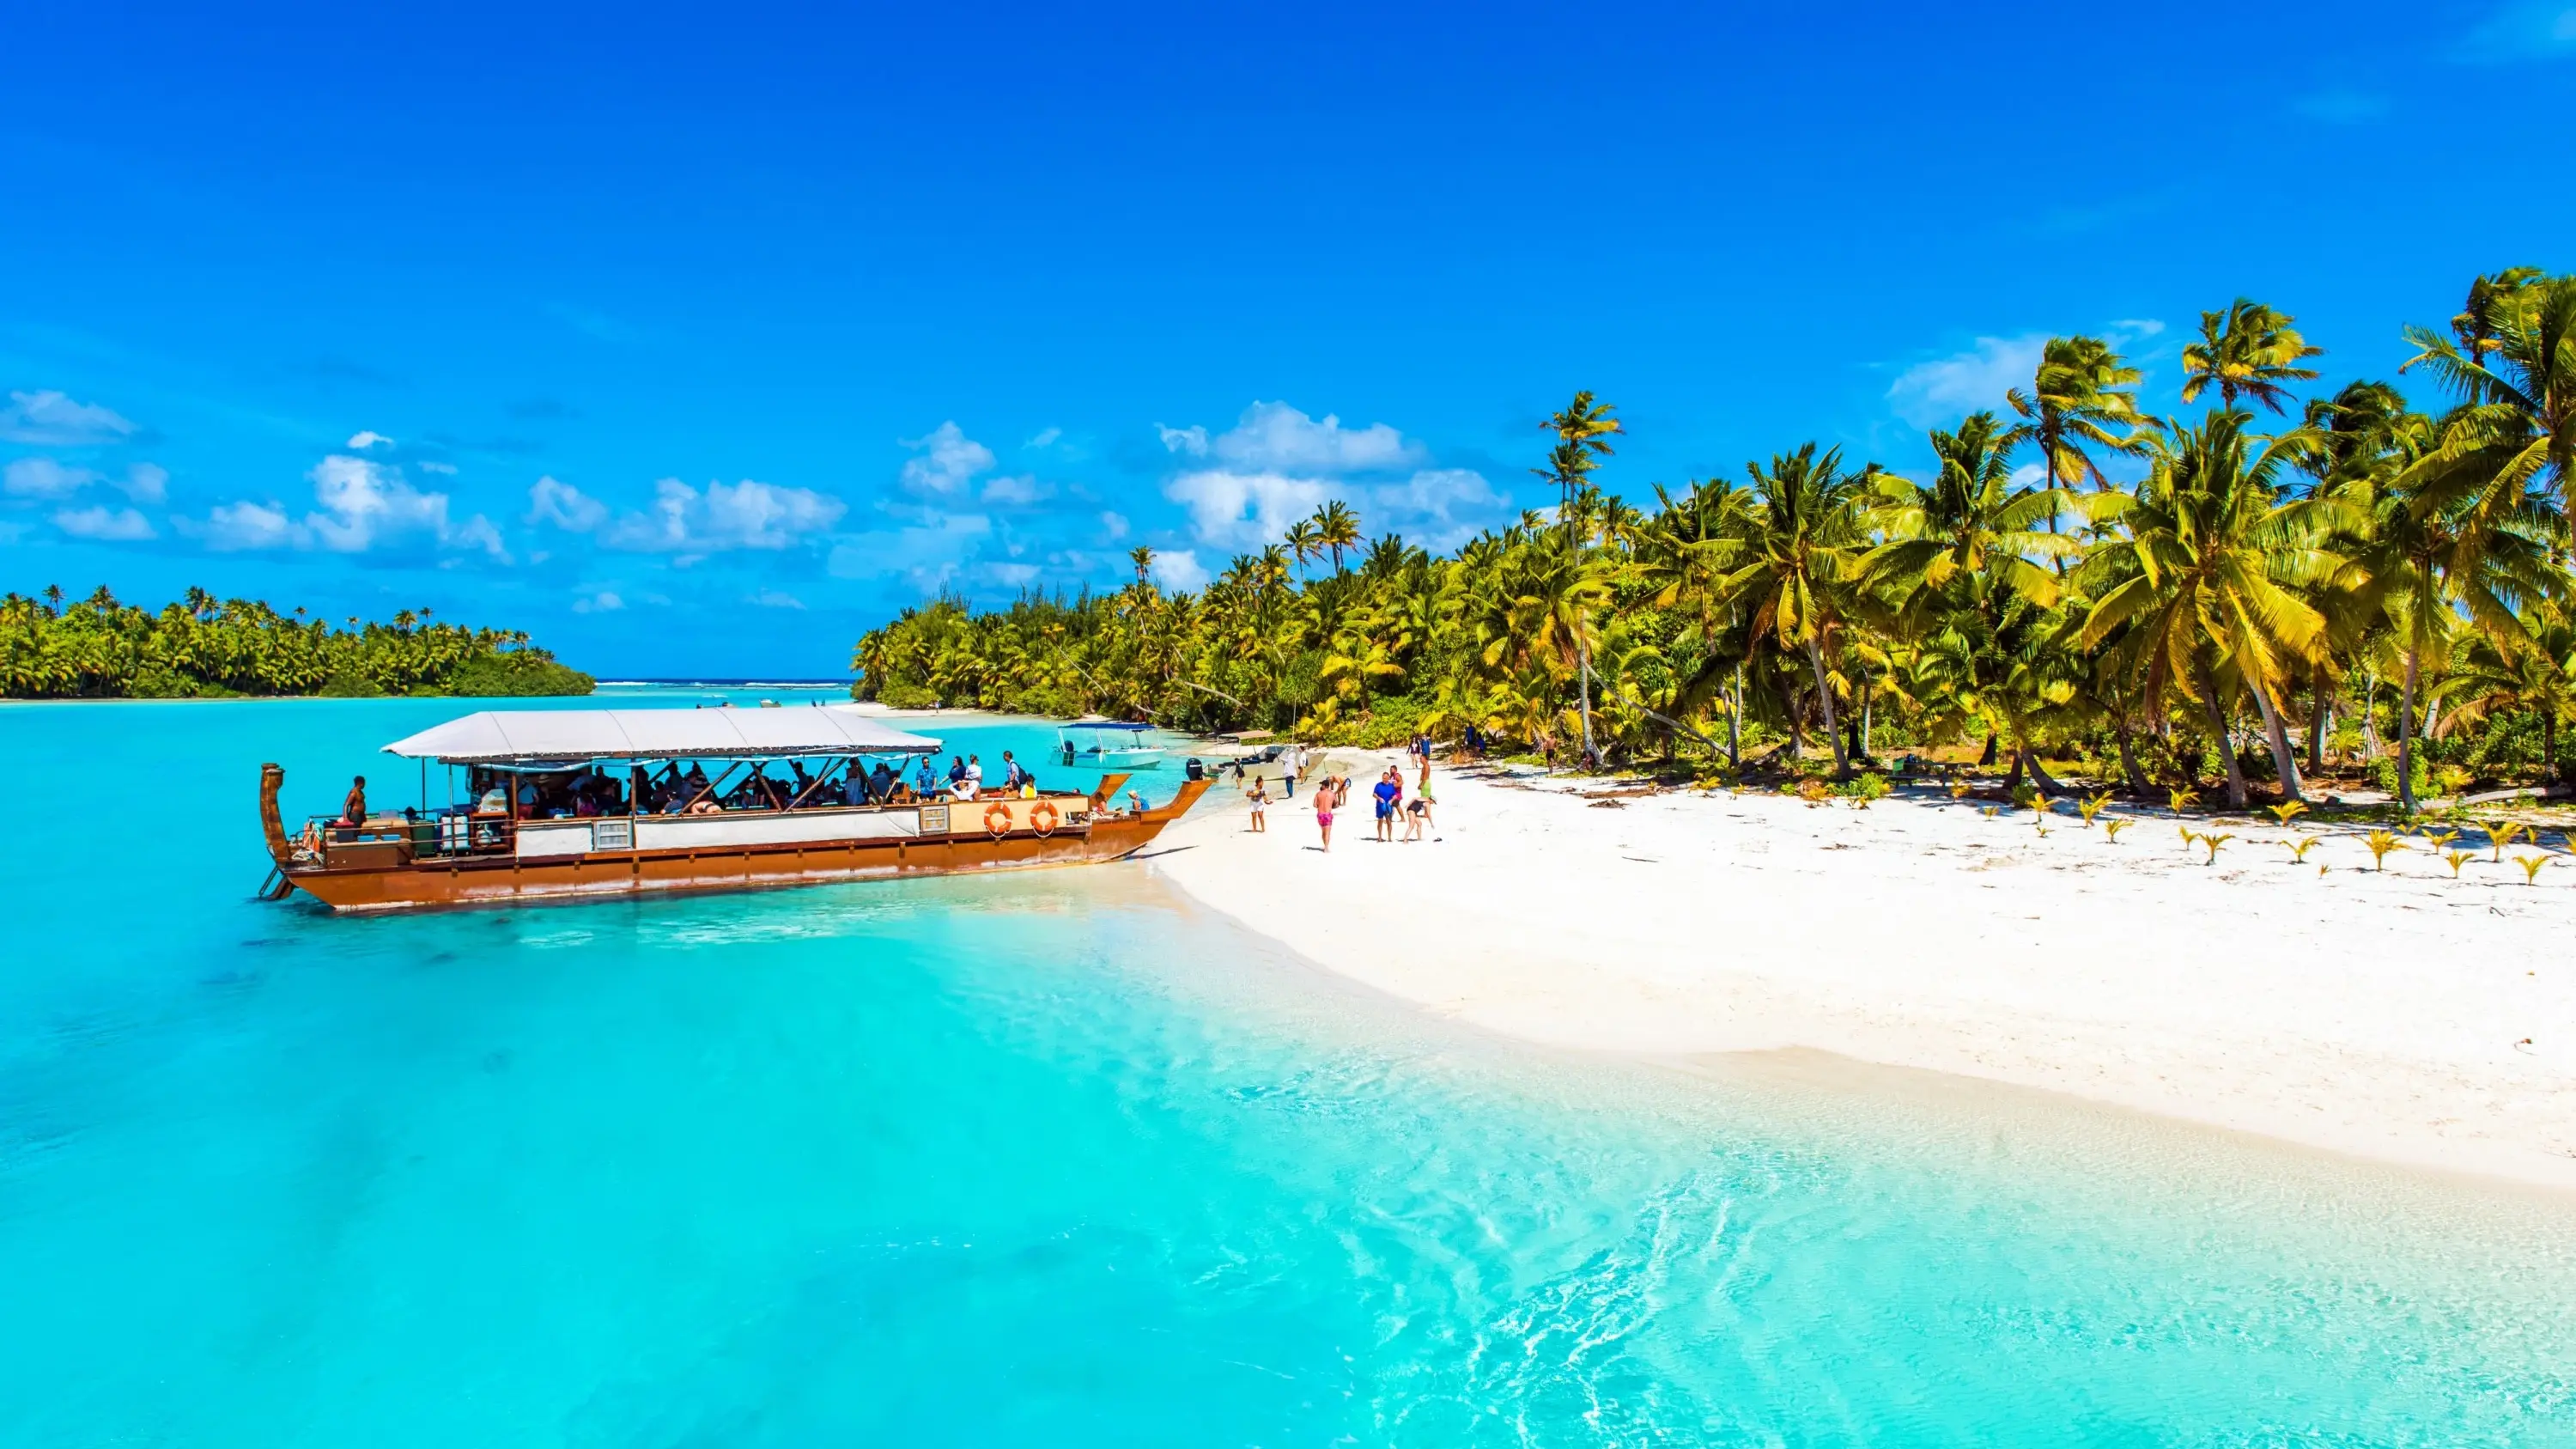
point(1387, 792)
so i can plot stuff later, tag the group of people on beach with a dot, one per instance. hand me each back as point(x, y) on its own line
point(1333, 792)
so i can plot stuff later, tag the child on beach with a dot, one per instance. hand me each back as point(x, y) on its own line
point(1260, 798)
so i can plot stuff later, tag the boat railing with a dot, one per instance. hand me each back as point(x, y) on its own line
point(461, 833)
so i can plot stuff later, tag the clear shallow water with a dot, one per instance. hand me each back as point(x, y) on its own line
point(1057, 1159)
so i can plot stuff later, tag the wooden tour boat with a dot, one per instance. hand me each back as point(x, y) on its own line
point(578, 803)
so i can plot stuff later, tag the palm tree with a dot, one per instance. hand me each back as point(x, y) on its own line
point(2436, 555)
point(2515, 366)
point(2083, 396)
point(1302, 540)
point(1958, 561)
point(2249, 350)
point(1583, 429)
point(2536, 673)
point(1808, 533)
point(2207, 575)
point(1336, 528)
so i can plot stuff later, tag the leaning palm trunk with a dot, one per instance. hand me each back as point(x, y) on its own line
point(2027, 758)
point(1825, 700)
point(2219, 732)
point(2406, 738)
point(2129, 770)
point(1735, 724)
point(1583, 674)
point(2321, 697)
point(2284, 759)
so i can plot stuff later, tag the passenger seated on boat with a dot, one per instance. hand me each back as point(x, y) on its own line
point(882, 783)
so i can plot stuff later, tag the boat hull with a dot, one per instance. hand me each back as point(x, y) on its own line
point(437, 883)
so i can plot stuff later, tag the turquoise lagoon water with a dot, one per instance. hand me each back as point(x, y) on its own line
point(1059, 1159)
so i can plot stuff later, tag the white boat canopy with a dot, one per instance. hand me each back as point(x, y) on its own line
point(504, 736)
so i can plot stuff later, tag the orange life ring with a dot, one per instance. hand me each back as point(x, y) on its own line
point(1042, 817)
point(998, 819)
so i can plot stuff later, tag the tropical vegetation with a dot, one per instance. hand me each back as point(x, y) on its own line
point(2238, 600)
point(204, 647)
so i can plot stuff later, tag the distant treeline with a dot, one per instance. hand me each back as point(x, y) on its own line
point(208, 648)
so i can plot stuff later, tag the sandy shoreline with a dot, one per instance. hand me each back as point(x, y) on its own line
point(2402, 1016)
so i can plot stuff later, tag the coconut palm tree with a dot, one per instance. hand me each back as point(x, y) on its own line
point(1583, 429)
point(2248, 350)
point(2208, 573)
point(1336, 528)
point(2514, 365)
point(1807, 540)
point(2082, 398)
point(1303, 541)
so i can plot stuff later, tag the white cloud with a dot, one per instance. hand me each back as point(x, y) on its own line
point(935, 550)
point(748, 514)
point(1046, 437)
point(1942, 390)
point(603, 602)
point(1114, 524)
point(146, 483)
point(1440, 506)
point(1277, 437)
point(434, 466)
point(43, 478)
point(360, 505)
point(122, 525)
point(1239, 510)
point(1012, 575)
point(550, 500)
point(774, 599)
point(364, 503)
point(50, 419)
point(949, 460)
point(1444, 507)
point(238, 527)
point(2530, 30)
point(1023, 488)
point(47, 479)
point(369, 438)
point(1192, 440)
point(1180, 569)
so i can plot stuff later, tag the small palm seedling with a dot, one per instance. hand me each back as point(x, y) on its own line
point(2183, 799)
point(2440, 839)
point(2287, 812)
point(1959, 789)
point(2215, 844)
point(2111, 828)
point(2457, 858)
point(2029, 798)
point(2091, 805)
point(2299, 848)
point(2188, 835)
point(2531, 865)
point(2381, 842)
point(2500, 833)
point(1991, 811)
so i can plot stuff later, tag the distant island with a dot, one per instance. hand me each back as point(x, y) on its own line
point(207, 648)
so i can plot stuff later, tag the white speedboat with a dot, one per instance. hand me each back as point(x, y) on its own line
point(1109, 744)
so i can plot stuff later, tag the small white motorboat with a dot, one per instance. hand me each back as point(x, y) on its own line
point(1110, 744)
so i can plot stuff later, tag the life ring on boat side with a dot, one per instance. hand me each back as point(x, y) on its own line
point(1042, 817)
point(998, 819)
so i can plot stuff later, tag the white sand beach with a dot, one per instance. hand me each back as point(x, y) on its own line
point(2400, 1015)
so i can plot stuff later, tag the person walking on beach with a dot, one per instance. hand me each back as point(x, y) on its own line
point(1325, 799)
point(1260, 799)
point(1387, 793)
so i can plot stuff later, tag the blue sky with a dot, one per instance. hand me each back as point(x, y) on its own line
point(695, 341)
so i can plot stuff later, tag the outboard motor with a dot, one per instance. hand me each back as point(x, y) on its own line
point(1194, 769)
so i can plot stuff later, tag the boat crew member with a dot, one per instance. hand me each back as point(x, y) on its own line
point(353, 811)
